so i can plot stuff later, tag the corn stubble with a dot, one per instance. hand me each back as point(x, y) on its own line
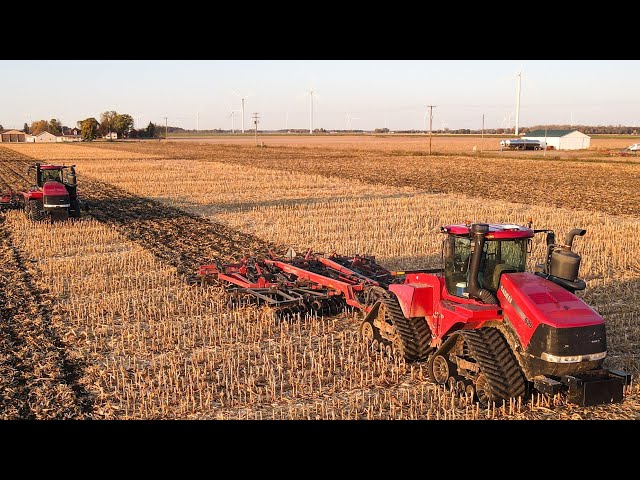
point(158, 348)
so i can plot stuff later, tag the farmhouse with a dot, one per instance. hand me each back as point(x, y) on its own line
point(13, 136)
point(561, 139)
point(70, 131)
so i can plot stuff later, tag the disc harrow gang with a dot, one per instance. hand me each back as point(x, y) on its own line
point(299, 284)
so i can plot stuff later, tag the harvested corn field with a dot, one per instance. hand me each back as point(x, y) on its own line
point(148, 343)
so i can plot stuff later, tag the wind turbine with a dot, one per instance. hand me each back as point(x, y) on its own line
point(311, 111)
point(349, 120)
point(242, 99)
point(232, 116)
point(518, 101)
point(424, 119)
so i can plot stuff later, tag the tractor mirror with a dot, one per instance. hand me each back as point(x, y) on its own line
point(529, 245)
point(551, 238)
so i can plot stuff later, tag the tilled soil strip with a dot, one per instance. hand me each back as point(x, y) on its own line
point(37, 379)
point(181, 239)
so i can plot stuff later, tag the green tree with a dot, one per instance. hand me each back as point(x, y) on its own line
point(39, 126)
point(25, 128)
point(107, 120)
point(55, 126)
point(89, 129)
point(151, 130)
point(122, 124)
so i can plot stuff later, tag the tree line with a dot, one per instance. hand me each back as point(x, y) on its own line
point(122, 126)
point(90, 128)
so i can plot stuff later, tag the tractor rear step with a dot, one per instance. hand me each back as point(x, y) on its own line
point(586, 389)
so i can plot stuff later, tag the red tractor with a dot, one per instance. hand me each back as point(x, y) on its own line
point(53, 196)
point(485, 325)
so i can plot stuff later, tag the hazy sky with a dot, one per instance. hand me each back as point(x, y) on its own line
point(374, 93)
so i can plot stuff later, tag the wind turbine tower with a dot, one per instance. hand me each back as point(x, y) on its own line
point(518, 101)
point(232, 116)
point(242, 99)
point(311, 111)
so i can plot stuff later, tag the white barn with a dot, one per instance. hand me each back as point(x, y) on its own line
point(561, 139)
point(46, 137)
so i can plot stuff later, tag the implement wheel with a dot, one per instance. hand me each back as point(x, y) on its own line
point(439, 369)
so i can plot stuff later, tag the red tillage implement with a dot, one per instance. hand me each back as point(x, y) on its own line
point(485, 325)
point(310, 283)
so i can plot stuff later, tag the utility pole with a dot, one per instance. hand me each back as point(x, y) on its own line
point(430, 107)
point(166, 129)
point(482, 141)
point(545, 141)
point(255, 123)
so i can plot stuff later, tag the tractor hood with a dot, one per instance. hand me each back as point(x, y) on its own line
point(54, 189)
point(537, 300)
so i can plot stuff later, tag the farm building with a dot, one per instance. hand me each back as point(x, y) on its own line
point(561, 139)
point(69, 138)
point(70, 131)
point(45, 137)
point(111, 136)
point(13, 136)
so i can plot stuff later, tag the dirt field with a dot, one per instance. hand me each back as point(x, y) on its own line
point(130, 336)
point(606, 184)
point(417, 142)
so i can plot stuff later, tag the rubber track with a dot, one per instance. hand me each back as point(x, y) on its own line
point(414, 332)
point(497, 362)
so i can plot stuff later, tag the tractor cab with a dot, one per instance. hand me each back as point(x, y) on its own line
point(49, 173)
point(57, 173)
point(503, 250)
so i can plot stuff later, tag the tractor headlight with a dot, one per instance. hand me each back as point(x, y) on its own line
point(547, 357)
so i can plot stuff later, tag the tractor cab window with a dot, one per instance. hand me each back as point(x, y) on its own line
point(47, 175)
point(498, 257)
point(456, 262)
